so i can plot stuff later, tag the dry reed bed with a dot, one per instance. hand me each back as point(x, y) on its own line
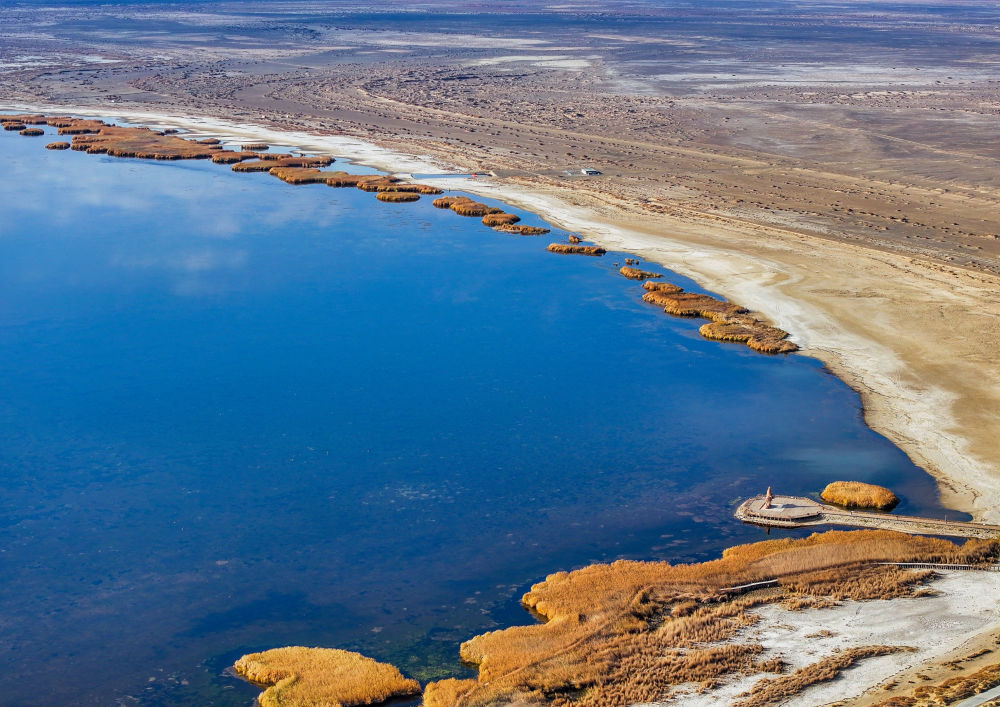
point(397, 196)
point(464, 206)
point(772, 691)
point(855, 494)
point(521, 230)
point(729, 322)
point(949, 691)
point(501, 219)
point(275, 161)
point(13, 126)
point(631, 632)
point(57, 146)
point(299, 676)
point(32, 132)
point(255, 147)
point(637, 274)
point(576, 249)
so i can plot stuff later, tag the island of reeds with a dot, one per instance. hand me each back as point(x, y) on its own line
point(633, 632)
point(855, 494)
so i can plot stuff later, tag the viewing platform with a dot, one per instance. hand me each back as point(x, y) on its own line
point(799, 512)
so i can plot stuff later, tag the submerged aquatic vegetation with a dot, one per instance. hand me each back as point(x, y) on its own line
point(855, 494)
point(300, 676)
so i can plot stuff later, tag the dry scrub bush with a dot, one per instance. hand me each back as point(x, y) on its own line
point(576, 249)
point(522, 230)
point(322, 677)
point(397, 196)
point(57, 146)
point(32, 132)
point(667, 287)
point(501, 219)
point(637, 274)
point(950, 691)
point(855, 494)
point(770, 691)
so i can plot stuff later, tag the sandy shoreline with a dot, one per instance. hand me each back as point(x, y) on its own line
point(807, 286)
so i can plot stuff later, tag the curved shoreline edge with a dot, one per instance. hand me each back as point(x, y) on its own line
point(917, 414)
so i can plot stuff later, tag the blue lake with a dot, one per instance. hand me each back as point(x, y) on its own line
point(237, 414)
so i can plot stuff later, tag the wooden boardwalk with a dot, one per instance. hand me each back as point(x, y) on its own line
point(799, 512)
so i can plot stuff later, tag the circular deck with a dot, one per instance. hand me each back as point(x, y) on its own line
point(785, 508)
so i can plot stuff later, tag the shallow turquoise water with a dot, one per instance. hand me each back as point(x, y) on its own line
point(237, 414)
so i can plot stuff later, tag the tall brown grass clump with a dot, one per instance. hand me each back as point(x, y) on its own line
point(322, 677)
point(637, 274)
point(950, 691)
point(229, 157)
point(501, 219)
point(445, 693)
point(11, 125)
point(521, 229)
point(667, 287)
point(210, 141)
point(255, 147)
point(95, 137)
point(752, 332)
point(771, 691)
point(576, 249)
point(855, 494)
point(300, 175)
point(464, 206)
point(276, 161)
point(397, 196)
point(32, 132)
point(416, 188)
point(57, 146)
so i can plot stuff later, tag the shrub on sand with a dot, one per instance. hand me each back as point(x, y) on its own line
point(322, 677)
point(855, 494)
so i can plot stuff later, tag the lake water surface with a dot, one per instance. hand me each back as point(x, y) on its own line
point(237, 414)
